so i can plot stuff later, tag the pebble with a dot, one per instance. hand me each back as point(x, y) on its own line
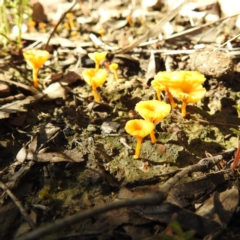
point(109, 127)
point(212, 63)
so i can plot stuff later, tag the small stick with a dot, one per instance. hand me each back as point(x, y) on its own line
point(19, 205)
point(237, 156)
point(60, 20)
point(31, 89)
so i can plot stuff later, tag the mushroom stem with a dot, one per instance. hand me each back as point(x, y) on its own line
point(71, 23)
point(171, 98)
point(115, 75)
point(153, 138)
point(236, 159)
point(96, 66)
point(70, 19)
point(95, 94)
point(184, 105)
point(158, 95)
point(138, 147)
point(35, 77)
point(129, 20)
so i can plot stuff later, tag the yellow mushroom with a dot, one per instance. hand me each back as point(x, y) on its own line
point(153, 111)
point(139, 129)
point(161, 82)
point(35, 59)
point(158, 88)
point(31, 26)
point(70, 16)
point(187, 87)
point(42, 26)
point(97, 58)
point(95, 79)
point(113, 67)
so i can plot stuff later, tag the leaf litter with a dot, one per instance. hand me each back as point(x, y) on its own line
point(65, 153)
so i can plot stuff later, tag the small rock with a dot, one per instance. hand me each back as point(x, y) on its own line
point(109, 127)
point(212, 63)
point(91, 128)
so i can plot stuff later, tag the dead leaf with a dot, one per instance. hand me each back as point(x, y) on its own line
point(53, 157)
point(151, 71)
point(220, 206)
point(8, 213)
point(183, 195)
point(75, 154)
point(18, 106)
point(38, 14)
point(24, 227)
point(186, 218)
point(56, 90)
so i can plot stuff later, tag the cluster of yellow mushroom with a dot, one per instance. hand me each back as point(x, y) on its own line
point(183, 85)
point(96, 77)
point(153, 111)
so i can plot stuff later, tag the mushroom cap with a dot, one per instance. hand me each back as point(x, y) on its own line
point(113, 66)
point(94, 77)
point(153, 110)
point(178, 78)
point(97, 56)
point(156, 84)
point(69, 15)
point(139, 128)
point(163, 78)
point(189, 92)
point(35, 57)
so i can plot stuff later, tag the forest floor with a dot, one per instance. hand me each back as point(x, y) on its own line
point(62, 152)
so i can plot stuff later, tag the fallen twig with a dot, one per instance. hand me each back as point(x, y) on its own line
point(191, 30)
point(60, 20)
point(18, 84)
point(19, 205)
point(154, 31)
point(155, 198)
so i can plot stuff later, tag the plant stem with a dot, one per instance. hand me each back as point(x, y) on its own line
point(237, 156)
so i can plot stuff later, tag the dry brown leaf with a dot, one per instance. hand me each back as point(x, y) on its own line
point(17, 106)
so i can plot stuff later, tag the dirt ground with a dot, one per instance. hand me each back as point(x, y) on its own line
point(62, 152)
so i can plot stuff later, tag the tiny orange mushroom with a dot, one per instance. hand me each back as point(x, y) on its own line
point(97, 58)
point(139, 129)
point(42, 26)
point(186, 86)
point(113, 67)
point(95, 79)
point(162, 82)
point(158, 88)
point(153, 111)
point(31, 26)
point(70, 19)
point(35, 59)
